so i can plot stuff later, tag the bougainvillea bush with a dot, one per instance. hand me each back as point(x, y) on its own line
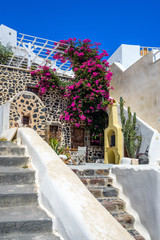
point(88, 93)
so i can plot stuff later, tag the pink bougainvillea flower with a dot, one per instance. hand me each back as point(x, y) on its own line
point(67, 117)
point(71, 87)
point(96, 82)
point(47, 74)
point(70, 39)
point(97, 44)
point(89, 86)
point(73, 104)
point(81, 54)
point(89, 120)
point(43, 90)
point(48, 52)
point(63, 60)
point(75, 69)
point(86, 40)
point(94, 74)
point(82, 117)
point(77, 125)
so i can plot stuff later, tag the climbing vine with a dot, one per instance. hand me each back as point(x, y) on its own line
point(88, 92)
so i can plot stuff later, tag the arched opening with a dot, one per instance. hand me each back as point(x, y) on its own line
point(111, 157)
point(111, 138)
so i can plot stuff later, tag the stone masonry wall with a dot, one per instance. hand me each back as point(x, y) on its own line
point(13, 81)
point(55, 106)
point(29, 105)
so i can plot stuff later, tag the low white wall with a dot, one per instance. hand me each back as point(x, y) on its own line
point(78, 214)
point(154, 149)
point(141, 187)
point(4, 117)
point(1, 119)
point(6, 111)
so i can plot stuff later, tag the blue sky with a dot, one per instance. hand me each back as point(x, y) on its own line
point(109, 22)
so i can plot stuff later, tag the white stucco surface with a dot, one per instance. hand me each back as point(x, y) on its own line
point(139, 86)
point(9, 134)
point(1, 119)
point(130, 54)
point(78, 214)
point(141, 187)
point(8, 35)
point(116, 56)
point(6, 110)
point(125, 55)
point(4, 117)
point(154, 150)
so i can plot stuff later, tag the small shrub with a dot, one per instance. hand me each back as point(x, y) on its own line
point(55, 144)
point(5, 53)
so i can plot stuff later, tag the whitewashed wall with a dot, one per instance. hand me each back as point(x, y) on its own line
point(4, 117)
point(140, 188)
point(139, 86)
point(126, 55)
point(8, 35)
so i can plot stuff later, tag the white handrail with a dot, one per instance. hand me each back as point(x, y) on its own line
point(31, 51)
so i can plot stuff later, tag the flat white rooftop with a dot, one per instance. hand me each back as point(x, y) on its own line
point(126, 55)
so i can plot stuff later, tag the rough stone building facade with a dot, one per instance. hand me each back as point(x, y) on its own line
point(41, 113)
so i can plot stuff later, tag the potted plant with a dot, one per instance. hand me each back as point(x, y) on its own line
point(132, 140)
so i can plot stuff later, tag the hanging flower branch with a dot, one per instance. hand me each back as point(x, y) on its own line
point(88, 94)
point(47, 79)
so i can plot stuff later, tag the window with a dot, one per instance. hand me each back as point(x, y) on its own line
point(111, 138)
point(25, 120)
point(33, 89)
point(55, 132)
point(112, 144)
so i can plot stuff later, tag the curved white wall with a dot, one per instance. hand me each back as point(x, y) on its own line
point(141, 187)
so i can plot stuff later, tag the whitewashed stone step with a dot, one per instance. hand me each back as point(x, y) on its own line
point(28, 219)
